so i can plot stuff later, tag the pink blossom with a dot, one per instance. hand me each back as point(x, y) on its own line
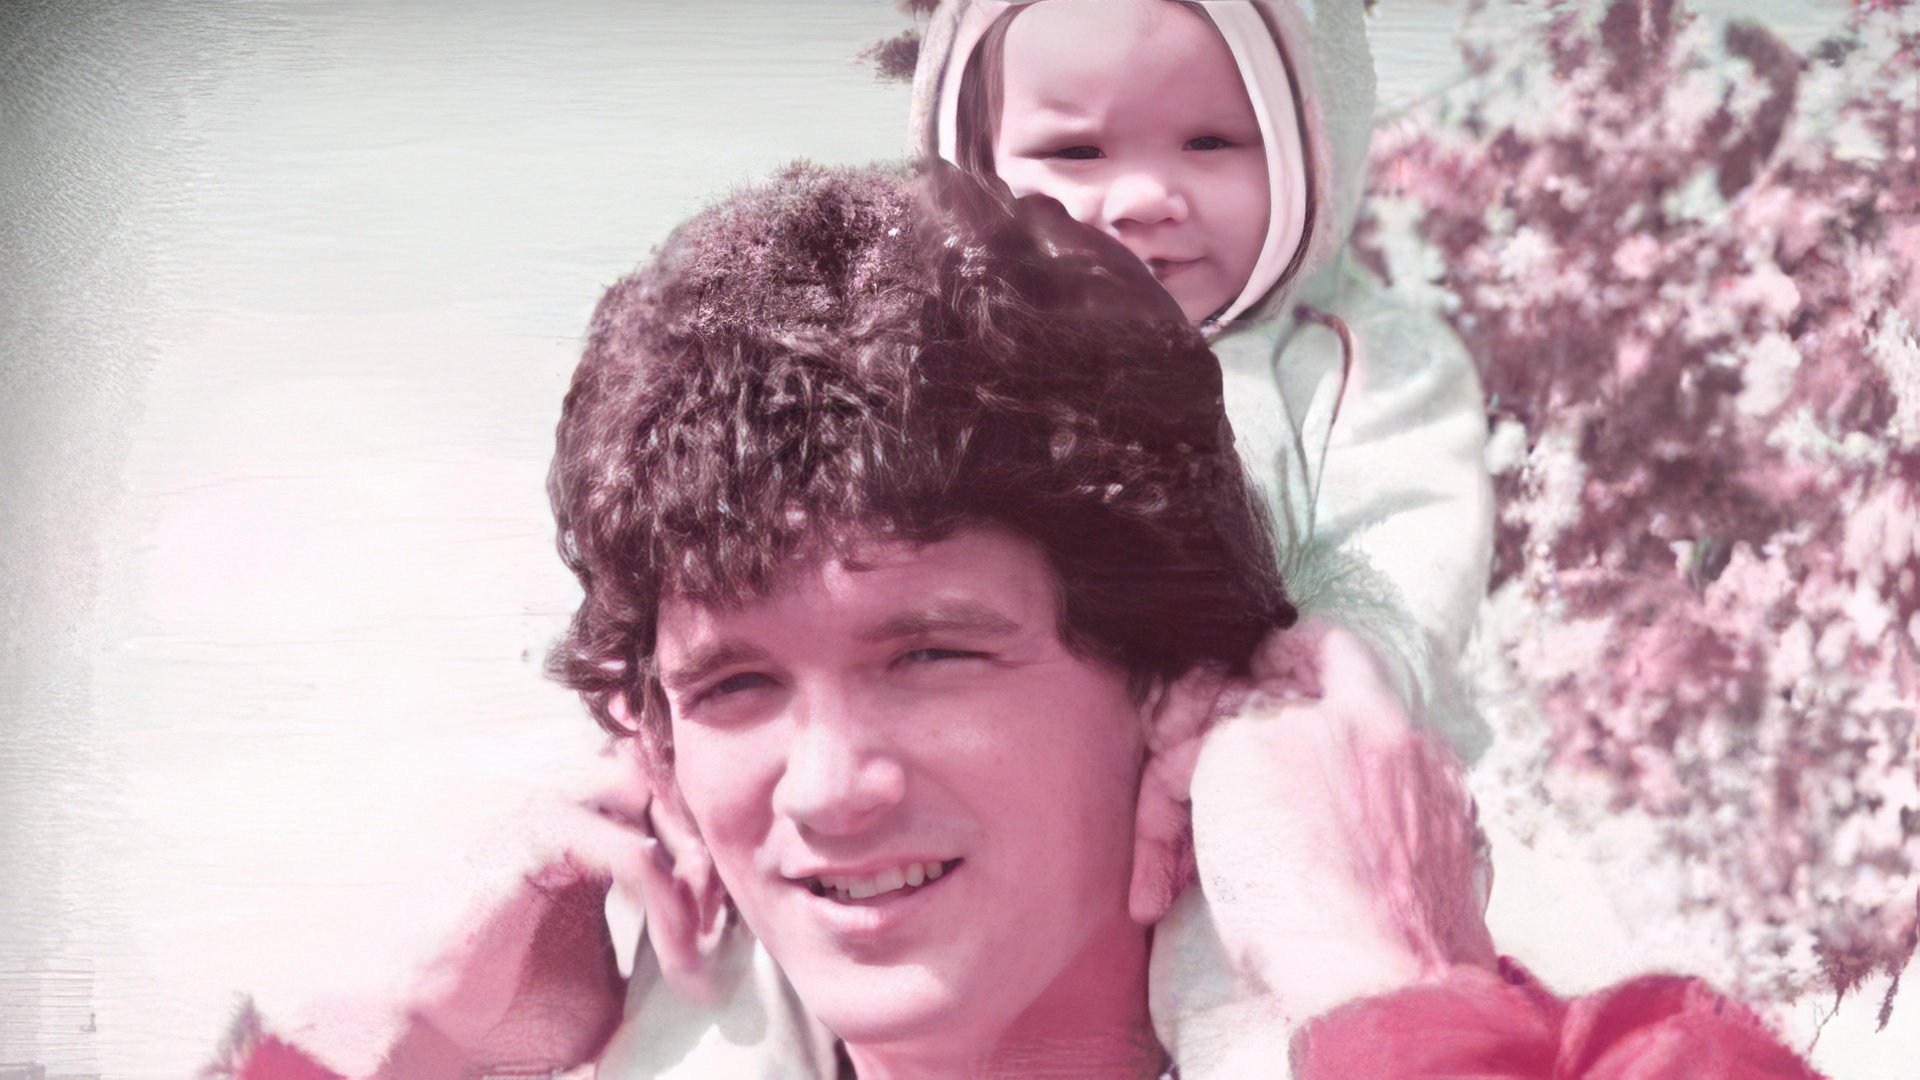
point(1695, 306)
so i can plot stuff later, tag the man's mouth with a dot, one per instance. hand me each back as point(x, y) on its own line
point(854, 888)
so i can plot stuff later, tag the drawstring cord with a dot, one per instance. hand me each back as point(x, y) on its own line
point(1307, 313)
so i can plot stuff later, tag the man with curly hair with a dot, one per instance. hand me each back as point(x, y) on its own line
point(908, 521)
point(903, 528)
point(917, 560)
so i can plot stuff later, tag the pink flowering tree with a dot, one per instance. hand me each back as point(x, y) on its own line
point(892, 59)
point(1687, 262)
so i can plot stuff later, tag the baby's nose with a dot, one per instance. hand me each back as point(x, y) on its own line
point(1144, 198)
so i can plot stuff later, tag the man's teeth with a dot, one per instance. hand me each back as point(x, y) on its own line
point(886, 881)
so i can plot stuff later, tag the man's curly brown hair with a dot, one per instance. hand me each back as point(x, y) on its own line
point(840, 354)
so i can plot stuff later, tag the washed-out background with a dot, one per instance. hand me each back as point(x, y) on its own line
point(291, 290)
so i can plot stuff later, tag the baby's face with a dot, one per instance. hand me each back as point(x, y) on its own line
point(1133, 115)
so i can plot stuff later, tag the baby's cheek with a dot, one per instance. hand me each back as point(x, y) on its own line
point(1086, 203)
point(1245, 198)
point(1082, 200)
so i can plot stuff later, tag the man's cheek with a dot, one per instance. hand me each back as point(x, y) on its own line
point(720, 815)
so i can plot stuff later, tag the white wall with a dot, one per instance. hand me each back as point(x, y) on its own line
point(293, 289)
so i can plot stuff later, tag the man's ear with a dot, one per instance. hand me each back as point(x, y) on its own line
point(1177, 715)
point(624, 714)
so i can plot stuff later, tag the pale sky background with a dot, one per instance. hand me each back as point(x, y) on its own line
point(292, 290)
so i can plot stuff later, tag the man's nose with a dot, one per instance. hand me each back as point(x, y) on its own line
point(841, 777)
point(1144, 198)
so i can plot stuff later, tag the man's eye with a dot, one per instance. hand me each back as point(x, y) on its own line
point(734, 684)
point(1209, 142)
point(1077, 153)
point(928, 656)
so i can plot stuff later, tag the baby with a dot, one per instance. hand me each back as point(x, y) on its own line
point(1136, 116)
point(1224, 142)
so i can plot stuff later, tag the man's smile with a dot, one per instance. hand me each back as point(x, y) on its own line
point(854, 888)
point(871, 918)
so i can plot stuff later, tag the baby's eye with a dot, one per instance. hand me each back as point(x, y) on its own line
point(1078, 153)
point(1209, 142)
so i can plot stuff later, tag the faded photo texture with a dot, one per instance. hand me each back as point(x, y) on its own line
point(291, 291)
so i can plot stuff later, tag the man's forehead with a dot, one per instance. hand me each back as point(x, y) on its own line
point(979, 579)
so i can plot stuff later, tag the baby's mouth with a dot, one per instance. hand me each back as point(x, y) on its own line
point(849, 889)
point(1162, 268)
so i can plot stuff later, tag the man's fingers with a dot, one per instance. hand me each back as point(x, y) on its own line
point(634, 837)
point(1287, 663)
point(686, 922)
point(1162, 858)
point(1172, 768)
point(1163, 831)
point(615, 847)
point(670, 823)
point(613, 783)
point(1186, 707)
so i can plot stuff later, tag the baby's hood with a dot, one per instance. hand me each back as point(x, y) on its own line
point(1324, 43)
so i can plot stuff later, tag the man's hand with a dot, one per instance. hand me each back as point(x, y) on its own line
point(1334, 841)
point(1180, 716)
point(528, 979)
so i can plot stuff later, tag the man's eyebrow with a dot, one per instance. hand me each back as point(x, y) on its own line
point(963, 618)
point(700, 663)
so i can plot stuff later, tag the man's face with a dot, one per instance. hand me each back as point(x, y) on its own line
point(1135, 117)
point(921, 802)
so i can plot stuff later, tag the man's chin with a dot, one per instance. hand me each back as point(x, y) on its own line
point(882, 1004)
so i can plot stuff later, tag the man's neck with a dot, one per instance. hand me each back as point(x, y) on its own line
point(1092, 1022)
